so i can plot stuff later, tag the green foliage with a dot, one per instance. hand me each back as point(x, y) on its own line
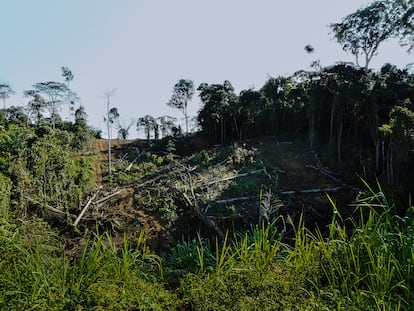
point(364, 30)
point(36, 275)
point(6, 187)
point(368, 266)
point(182, 94)
point(246, 275)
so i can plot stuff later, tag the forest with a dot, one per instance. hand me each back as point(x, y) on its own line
point(293, 196)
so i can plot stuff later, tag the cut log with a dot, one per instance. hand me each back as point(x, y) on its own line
point(232, 200)
point(51, 208)
point(84, 209)
point(272, 180)
point(323, 190)
point(235, 176)
point(108, 197)
point(210, 223)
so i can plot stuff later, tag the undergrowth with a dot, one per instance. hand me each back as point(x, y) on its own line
point(363, 264)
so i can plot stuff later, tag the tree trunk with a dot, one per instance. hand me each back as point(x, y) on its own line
point(332, 122)
point(312, 131)
point(377, 144)
point(186, 118)
point(383, 156)
point(339, 138)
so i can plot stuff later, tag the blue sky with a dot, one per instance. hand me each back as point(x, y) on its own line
point(142, 48)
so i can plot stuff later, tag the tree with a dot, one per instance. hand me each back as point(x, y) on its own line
point(123, 130)
point(55, 92)
point(16, 115)
point(166, 124)
point(148, 124)
point(399, 136)
point(110, 113)
point(275, 92)
point(363, 31)
point(251, 105)
point(113, 115)
point(68, 75)
point(401, 16)
point(218, 117)
point(5, 92)
point(81, 130)
point(182, 93)
point(36, 107)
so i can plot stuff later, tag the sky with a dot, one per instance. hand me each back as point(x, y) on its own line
point(141, 48)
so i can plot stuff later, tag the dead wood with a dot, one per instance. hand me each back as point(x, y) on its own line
point(324, 172)
point(210, 223)
point(232, 200)
point(108, 197)
point(51, 208)
point(311, 191)
point(271, 178)
point(84, 209)
point(194, 204)
point(235, 176)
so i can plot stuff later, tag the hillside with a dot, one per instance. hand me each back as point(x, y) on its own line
point(214, 190)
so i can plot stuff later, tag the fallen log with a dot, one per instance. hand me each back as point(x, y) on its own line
point(210, 223)
point(108, 197)
point(311, 191)
point(324, 172)
point(272, 180)
point(51, 208)
point(235, 176)
point(84, 209)
point(232, 200)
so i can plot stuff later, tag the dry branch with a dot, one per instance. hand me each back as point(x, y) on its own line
point(51, 208)
point(210, 223)
point(311, 191)
point(232, 200)
point(324, 172)
point(84, 209)
point(108, 197)
point(272, 180)
point(235, 176)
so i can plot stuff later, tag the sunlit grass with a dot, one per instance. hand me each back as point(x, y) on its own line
point(365, 263)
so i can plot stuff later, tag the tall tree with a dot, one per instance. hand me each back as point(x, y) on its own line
point(166, 124)
point(220, 109)
point(401, 16)
point(399, 135)
point(55, 93)
point(68, 75)
point(275, 92)
point(148, 124)
point(363, 31)
point(109, 120)
point(182, 93)
point(36, 106)
point(5, 92)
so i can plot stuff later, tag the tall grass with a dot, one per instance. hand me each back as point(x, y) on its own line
point(364, 263)
point(36, 275)
point(368, 266)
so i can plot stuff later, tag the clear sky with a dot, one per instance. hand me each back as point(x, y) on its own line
point(142, 48)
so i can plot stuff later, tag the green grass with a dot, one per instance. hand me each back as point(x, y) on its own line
point(365, 265)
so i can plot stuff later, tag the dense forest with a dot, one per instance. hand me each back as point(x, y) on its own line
point(293, 196)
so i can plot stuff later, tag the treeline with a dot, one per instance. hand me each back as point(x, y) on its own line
point(356, 115)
